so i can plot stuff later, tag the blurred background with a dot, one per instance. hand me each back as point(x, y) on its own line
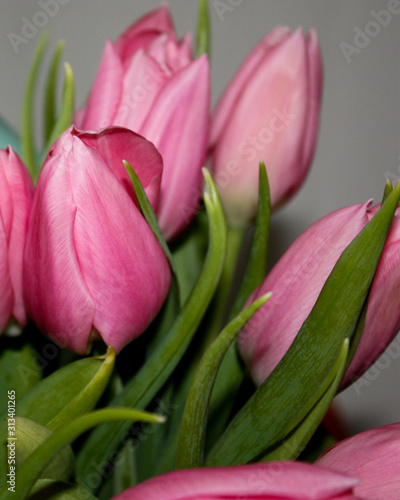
point(359, 138)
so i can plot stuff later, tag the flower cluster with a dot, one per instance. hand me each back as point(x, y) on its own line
point(109, 245)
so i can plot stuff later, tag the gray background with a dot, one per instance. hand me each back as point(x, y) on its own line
point(358, 145)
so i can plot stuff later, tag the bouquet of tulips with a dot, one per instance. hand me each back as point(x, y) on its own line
point(146, 351)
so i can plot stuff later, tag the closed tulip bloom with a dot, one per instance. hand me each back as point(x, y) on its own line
point(270, 113)
point(297, 280)
point(264, 481)
point(148, 82)
point(372, 456)
point(16, 190)
point(93, 267)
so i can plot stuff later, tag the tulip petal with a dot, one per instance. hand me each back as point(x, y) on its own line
point(55, 293)
point(122, 264)
point(289, 480)
point(143, 32)
point(241, 79)
point(271, 131)
point(117, 144)
point(143, 79)
point(6, 291)
point(106, 92)
point(16, 189)
point(178, 124)
point(382, 321)
point(295, 282)
point(374, 457)
point(314, 98)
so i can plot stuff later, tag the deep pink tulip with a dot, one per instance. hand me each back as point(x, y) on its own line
point(269, 112)
point(266, 481)
point(93, 267)
point(16, 190)
point(147, 82)
point(296, 281)
point(372, 456)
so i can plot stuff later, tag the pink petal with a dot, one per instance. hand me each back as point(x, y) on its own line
point(314, 99)
point(178, 124)
point(106, 93)
point(116, 144)
point(6, 290)
point(123, 266)
point(241, 79)
point(143, 79)
point(55, 292)
point(267, 124)
point(382, 321)
point(20, 187)
point(374, 457)
point(143, 32)
point(289, 480)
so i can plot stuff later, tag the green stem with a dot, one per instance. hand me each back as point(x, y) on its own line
point(220, 306)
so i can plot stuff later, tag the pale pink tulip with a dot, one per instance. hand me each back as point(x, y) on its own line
point(93, 267)
point(148, 83)
point(296, 281)
point(269, 112)
point(372, 456)
point(16, 190)
point(266, 481)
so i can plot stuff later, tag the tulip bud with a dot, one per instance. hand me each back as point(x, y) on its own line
point(93, 267)
point(290, 480)
point(374, 457)
point(148, 83)
point(297, 280)
point(270, 113)
point(16, 190)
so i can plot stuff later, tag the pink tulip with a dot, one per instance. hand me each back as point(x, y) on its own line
point(374, 457)
point(264, 481)
point(16, 190)
point(296, 281)
point(148, 83)
point(93, 267)
point(269, 112)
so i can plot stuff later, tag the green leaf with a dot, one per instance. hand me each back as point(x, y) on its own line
point(27, 118)
point(388, 190)
point(66, 114)
point(140, 391)
point(63, 395)
point(312, 354)
point(18, 372)
point(230, 375)
point(30, 436)
point(256, 268)
point(194, 421)
point(203, 29)
point(149, 214)
point(68, 392)
point(58, 490)
point(290, 447)
point(35, 463)
point(51, 92)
